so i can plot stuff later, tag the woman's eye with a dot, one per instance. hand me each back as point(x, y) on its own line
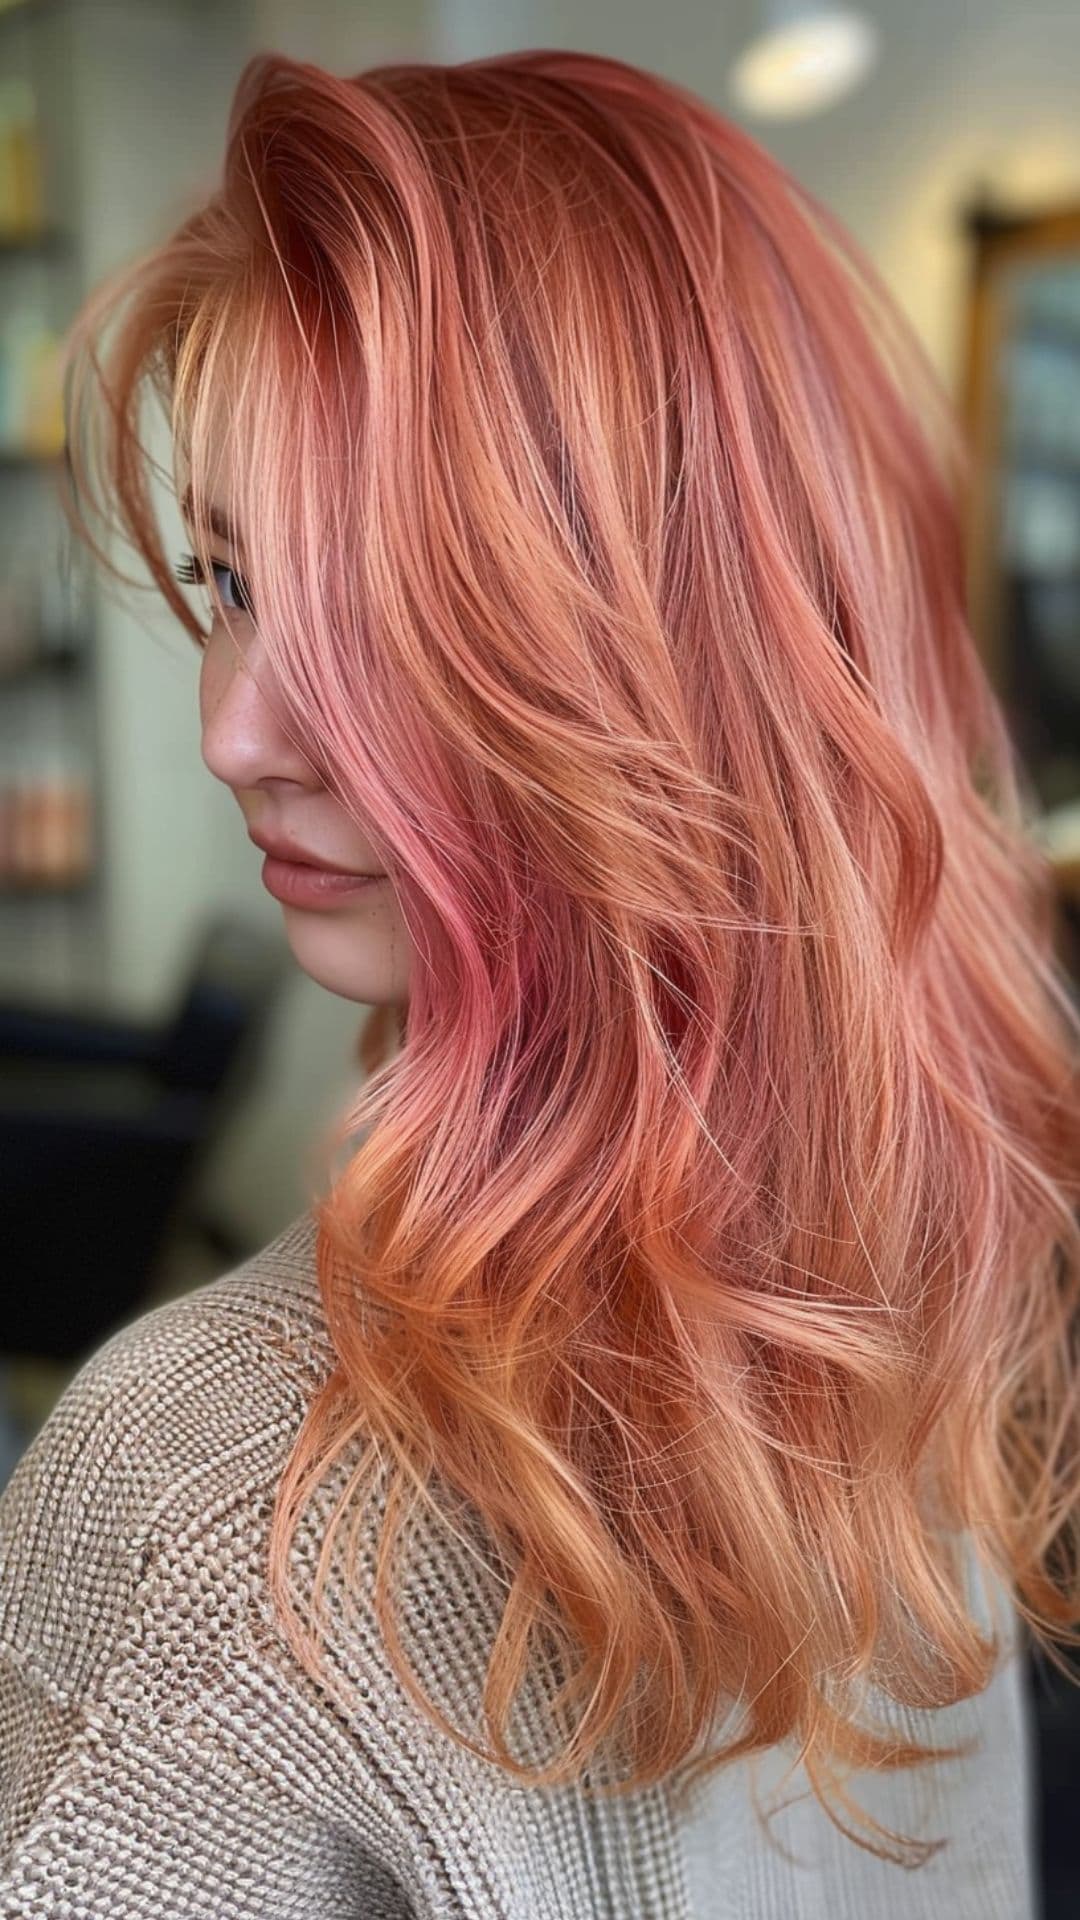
point(230, 585)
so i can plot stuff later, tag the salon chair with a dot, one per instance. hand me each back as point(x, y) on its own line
point(105, 1126)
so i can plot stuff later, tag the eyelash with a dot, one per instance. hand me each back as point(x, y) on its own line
point(191, 572)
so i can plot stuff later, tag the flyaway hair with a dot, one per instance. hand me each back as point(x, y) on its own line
point(712, 1233)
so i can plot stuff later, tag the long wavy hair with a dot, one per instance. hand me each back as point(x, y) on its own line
point(712, 1232)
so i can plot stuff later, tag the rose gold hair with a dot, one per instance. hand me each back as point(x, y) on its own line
point(712, 1233)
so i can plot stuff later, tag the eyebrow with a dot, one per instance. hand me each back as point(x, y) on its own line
point(219, 521)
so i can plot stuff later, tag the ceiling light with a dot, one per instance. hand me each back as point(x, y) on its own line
point(806, 57)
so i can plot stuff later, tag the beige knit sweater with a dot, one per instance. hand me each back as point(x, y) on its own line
point(163, 1758)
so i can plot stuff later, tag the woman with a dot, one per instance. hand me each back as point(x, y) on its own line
point(674, 1366)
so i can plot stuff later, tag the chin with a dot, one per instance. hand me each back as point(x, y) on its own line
point(356, 961)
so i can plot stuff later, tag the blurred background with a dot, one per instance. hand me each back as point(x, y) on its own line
point(164, 1065)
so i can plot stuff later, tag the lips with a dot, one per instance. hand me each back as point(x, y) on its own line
point(299, 856)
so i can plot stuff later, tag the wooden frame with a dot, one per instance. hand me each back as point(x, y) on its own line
point(999, 240)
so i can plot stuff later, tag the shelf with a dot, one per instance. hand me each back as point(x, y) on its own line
point(1025, 576)
point(39, 887)
point(1019, 458)
point(15, 244)
point(55, 662)
point(26, 10)
point(1047, 332)
point(17, 458)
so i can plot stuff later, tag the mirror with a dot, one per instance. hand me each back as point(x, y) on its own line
point(1021, 395)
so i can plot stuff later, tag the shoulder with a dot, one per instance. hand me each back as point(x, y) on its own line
point(171, 1435)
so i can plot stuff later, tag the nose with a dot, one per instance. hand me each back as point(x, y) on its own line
point(243, 738)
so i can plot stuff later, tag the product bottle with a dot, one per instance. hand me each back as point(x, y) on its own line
point(21, 209)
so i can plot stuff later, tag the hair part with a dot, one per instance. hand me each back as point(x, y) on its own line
point(712, 1234)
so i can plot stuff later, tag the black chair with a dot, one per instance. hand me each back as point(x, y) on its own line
point(105, 1126)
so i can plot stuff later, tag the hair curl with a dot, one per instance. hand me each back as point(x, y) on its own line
point(718, 1207)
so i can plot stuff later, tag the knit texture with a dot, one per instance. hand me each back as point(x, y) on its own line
point(162, 1756)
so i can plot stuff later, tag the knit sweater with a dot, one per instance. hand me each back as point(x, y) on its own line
point(163, 1757)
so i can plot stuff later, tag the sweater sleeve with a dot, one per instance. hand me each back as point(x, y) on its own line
point(109, 1816)
point(148, 1769)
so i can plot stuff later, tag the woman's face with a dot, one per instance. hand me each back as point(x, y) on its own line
point(351, 938)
